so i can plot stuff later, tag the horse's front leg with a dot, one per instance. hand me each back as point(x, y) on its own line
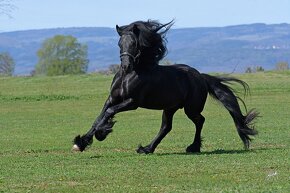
point(106, 123)
point(103, 125)
point(81, 142)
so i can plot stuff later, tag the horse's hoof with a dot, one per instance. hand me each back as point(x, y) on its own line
point(75, 148)
point(192, 149)
point(145, 150)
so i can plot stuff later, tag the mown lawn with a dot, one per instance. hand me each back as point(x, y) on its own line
point(39, 117)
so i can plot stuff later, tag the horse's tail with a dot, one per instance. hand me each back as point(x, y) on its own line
point(225, 94)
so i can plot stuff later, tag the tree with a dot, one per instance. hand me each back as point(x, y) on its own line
point(6, 7)
point(165, 62)
point(282, 66)
point(114, 68)
point(62, 55)
point(7, 64)
point(254, 69)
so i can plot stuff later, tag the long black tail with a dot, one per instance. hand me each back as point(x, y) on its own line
point(225, 94)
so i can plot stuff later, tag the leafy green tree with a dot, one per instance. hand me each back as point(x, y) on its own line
point(7, 64)
point(62, 55)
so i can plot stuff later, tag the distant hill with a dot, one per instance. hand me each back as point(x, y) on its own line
point(209, 49)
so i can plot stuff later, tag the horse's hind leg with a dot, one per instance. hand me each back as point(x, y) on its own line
point(198, 120)
point(166, 127)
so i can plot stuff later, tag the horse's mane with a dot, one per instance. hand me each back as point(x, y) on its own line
point(151, 37)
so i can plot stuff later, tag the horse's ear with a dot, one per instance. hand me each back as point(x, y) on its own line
point(119, 30)
point(135, 30)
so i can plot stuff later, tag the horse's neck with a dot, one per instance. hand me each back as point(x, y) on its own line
point(147, 62)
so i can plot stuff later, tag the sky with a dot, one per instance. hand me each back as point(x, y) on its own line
point(41, 14)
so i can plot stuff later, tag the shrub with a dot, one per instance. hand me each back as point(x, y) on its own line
point(282, 66)
point(254, 69)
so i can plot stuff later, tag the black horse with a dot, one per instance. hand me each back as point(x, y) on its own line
point(142, 82)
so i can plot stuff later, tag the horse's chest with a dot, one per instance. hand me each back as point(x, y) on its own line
point(129, 86)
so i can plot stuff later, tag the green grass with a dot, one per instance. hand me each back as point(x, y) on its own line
point(40, 116)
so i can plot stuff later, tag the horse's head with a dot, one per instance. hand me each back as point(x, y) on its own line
point(142, 44)
point(129, 47)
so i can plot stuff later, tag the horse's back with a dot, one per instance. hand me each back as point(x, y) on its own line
point(193, 76)
point(198, 88)
point(172, 85)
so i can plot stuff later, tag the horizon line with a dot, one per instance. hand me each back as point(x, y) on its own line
point(53, 28)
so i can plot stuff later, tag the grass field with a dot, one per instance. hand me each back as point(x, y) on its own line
point(40, 116)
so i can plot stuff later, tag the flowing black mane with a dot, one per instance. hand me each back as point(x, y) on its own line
point(151, 38)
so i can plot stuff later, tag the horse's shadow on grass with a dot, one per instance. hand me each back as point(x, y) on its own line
point(214, 152)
